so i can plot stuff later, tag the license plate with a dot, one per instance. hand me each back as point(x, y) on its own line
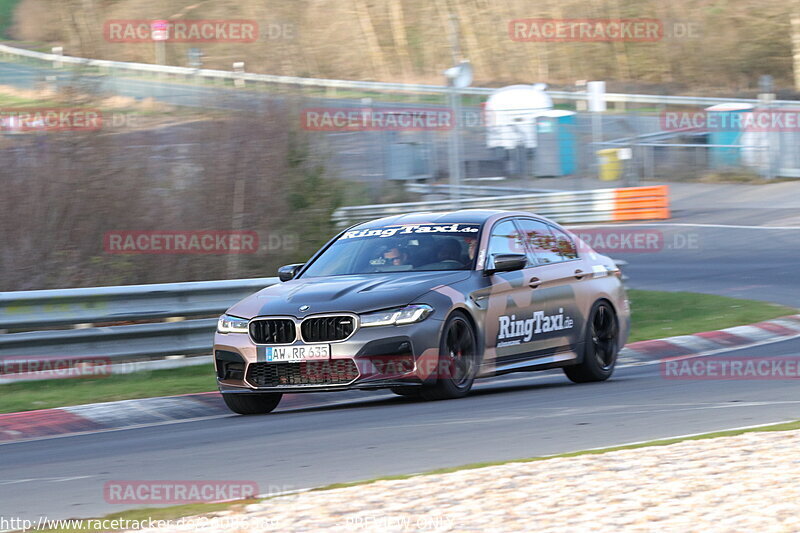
point(304, 352)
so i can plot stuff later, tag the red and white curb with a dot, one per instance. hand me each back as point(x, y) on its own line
point(94, 417)
point(128, 414)
point(709, 342)
point(146, 412)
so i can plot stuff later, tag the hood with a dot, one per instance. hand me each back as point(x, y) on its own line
point(356, 293)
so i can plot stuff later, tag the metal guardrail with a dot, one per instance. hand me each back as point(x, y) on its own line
point(471, 190)
point(365, 85)
point(116, 343)
point(598, 205)
point(33, 309)
point(43, 310)
point(573, 207)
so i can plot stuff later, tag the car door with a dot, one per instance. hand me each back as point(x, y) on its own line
point(557, 320)
point(510, 299)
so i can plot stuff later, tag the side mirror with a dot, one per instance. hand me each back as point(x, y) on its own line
point(507, 263)
point(287, 272)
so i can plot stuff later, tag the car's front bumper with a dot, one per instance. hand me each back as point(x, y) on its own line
point(372, 358)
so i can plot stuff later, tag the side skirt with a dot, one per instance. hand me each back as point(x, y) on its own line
point(540, 363)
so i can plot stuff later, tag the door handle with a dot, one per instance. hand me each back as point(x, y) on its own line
point(534, 282)
point(579, 274)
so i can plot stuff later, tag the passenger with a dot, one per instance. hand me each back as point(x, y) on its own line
point(472, 246)
point(449, 250)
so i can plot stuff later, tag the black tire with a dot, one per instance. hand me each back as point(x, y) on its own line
point(458, 361)
point(252, 403)
point(408, 392)
point(600, 347)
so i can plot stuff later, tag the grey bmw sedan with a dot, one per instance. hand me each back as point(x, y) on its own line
point(423, 304)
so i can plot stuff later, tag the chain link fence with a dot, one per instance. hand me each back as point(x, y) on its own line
point(635, 145)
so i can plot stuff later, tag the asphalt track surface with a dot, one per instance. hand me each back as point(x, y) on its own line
point(735, 259)
point(509, 418)
point(741, 252)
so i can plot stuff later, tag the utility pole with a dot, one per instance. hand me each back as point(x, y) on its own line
point(766, 98)
point(455, 41)
point(159, 32)
point(795, 21)
point(458, 77)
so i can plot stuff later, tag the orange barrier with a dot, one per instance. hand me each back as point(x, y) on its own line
point(641, 203)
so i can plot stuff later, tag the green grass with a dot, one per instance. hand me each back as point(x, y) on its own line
point(655, 315)
point(181, 511)
point(28, 395)
point(7, 100)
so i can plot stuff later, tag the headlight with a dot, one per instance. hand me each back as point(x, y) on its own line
point(232, 324)
point(397, 316)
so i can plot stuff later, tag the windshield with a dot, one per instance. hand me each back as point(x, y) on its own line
point(399, 248)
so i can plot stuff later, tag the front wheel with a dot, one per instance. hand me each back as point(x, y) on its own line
point(252, 404)
point(458, 361)
point(600, 346)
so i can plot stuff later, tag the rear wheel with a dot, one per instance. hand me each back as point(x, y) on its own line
point(600, 346)
point(458, 361)
point(252, 404)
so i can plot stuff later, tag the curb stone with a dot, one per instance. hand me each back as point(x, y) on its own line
point(724, 339)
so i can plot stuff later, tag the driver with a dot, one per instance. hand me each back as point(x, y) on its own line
point(395, 256)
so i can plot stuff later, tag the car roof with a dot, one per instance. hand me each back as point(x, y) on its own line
point(463, 216)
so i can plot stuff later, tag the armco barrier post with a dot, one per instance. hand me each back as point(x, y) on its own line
point(59, 51)
point(238, 69)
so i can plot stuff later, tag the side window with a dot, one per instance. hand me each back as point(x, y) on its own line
point(541, 241)
point(565, 245)
point(505, 239)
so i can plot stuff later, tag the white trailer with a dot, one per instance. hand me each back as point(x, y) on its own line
point(511, 114)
